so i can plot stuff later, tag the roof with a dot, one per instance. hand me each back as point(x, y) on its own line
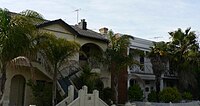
point(74, 29)
point(89, 33)
point(58, 21)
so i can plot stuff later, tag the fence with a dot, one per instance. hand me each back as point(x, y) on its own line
point(194, 103)
point(84, 98)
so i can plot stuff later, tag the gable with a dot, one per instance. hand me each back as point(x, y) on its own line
point(59, 30)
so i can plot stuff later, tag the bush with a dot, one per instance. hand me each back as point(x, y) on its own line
point(42, 93)
point(170, 95)
point(152, 96)
point(106, 95)
point(135, 93)
point(187, 96)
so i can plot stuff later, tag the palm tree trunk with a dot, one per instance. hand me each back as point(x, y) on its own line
point(3, 80)
point(54, 101)
point(157, 88)
point(116, 89)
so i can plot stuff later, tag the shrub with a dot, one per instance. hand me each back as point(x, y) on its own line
point(152, 96)
point(170, 95)
point(42, 93)
point(135, 93)
point(187, 96)
point(106, 95)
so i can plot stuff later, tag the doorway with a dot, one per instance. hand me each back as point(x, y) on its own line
point(17, 91)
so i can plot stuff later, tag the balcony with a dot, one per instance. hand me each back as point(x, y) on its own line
point(169, 73)
point(146, 68)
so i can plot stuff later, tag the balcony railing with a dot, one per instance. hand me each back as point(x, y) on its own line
point(146, 68)
point(169, 73)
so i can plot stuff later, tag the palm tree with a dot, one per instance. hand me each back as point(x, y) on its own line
point(18, 37)
point(90, 79)
point(57, 52)
point(184, 55)
point(158, 56)
point(117, 58)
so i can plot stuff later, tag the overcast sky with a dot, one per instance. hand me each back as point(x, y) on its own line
point(148, 19)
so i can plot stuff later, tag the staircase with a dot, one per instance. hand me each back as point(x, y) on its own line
point(63, 83)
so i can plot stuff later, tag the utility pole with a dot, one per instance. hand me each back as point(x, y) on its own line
point(77, 14)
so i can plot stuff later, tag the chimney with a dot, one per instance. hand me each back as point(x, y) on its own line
point(103, 31)
point(82, 24)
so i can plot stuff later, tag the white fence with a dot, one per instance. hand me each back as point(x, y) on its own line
point(68, 99)
point(84, 99)
point(194, 103)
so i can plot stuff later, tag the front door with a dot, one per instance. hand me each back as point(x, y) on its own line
point(17, 91)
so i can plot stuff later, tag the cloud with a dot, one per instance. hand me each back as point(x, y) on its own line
point(142, 18)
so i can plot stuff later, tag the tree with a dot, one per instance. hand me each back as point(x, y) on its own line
point(18, 37)
point(135, 93)
point(57, 52)
point(90, 79)
point(116, 57)
point(158, 56)
point(183, 50)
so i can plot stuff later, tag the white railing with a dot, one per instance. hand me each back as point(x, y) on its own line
point(84, 99)
point(102, 103)
point(61, 91)
point(75, 102)
point(143, 69)
point(135, 68)
point(68, 99)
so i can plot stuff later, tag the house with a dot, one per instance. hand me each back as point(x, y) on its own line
point(143, 75)
point(18, 93)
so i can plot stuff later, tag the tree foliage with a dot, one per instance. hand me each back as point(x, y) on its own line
point(18, 38)
point(57, 52)
point(116, 57)
point(90, 79)
point(152, 97)
point(183, 50)
point(135, 93)
point(170, 95)
point(41, 92)
point(158, 56)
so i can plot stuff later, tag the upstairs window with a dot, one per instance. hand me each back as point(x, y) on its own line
point(141, 59)
point(142, 63)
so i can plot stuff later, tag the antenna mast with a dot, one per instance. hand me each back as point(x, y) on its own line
point(77, 14)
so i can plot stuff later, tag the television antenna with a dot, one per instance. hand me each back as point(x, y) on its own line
point(77, 14)
point(156, 37)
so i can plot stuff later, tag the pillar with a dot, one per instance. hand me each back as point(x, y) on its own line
point(96, 97)
point(71, 93)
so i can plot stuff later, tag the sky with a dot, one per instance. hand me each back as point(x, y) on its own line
point(147, 19)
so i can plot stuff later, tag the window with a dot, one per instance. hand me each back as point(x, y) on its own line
point(141, 59)
point(147, 82)
point(132, 82)
point(142, 63)
point(152, 88)
point(147, 89)
point(85, 52)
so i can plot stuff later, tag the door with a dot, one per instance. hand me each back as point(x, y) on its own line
point(17, 91)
